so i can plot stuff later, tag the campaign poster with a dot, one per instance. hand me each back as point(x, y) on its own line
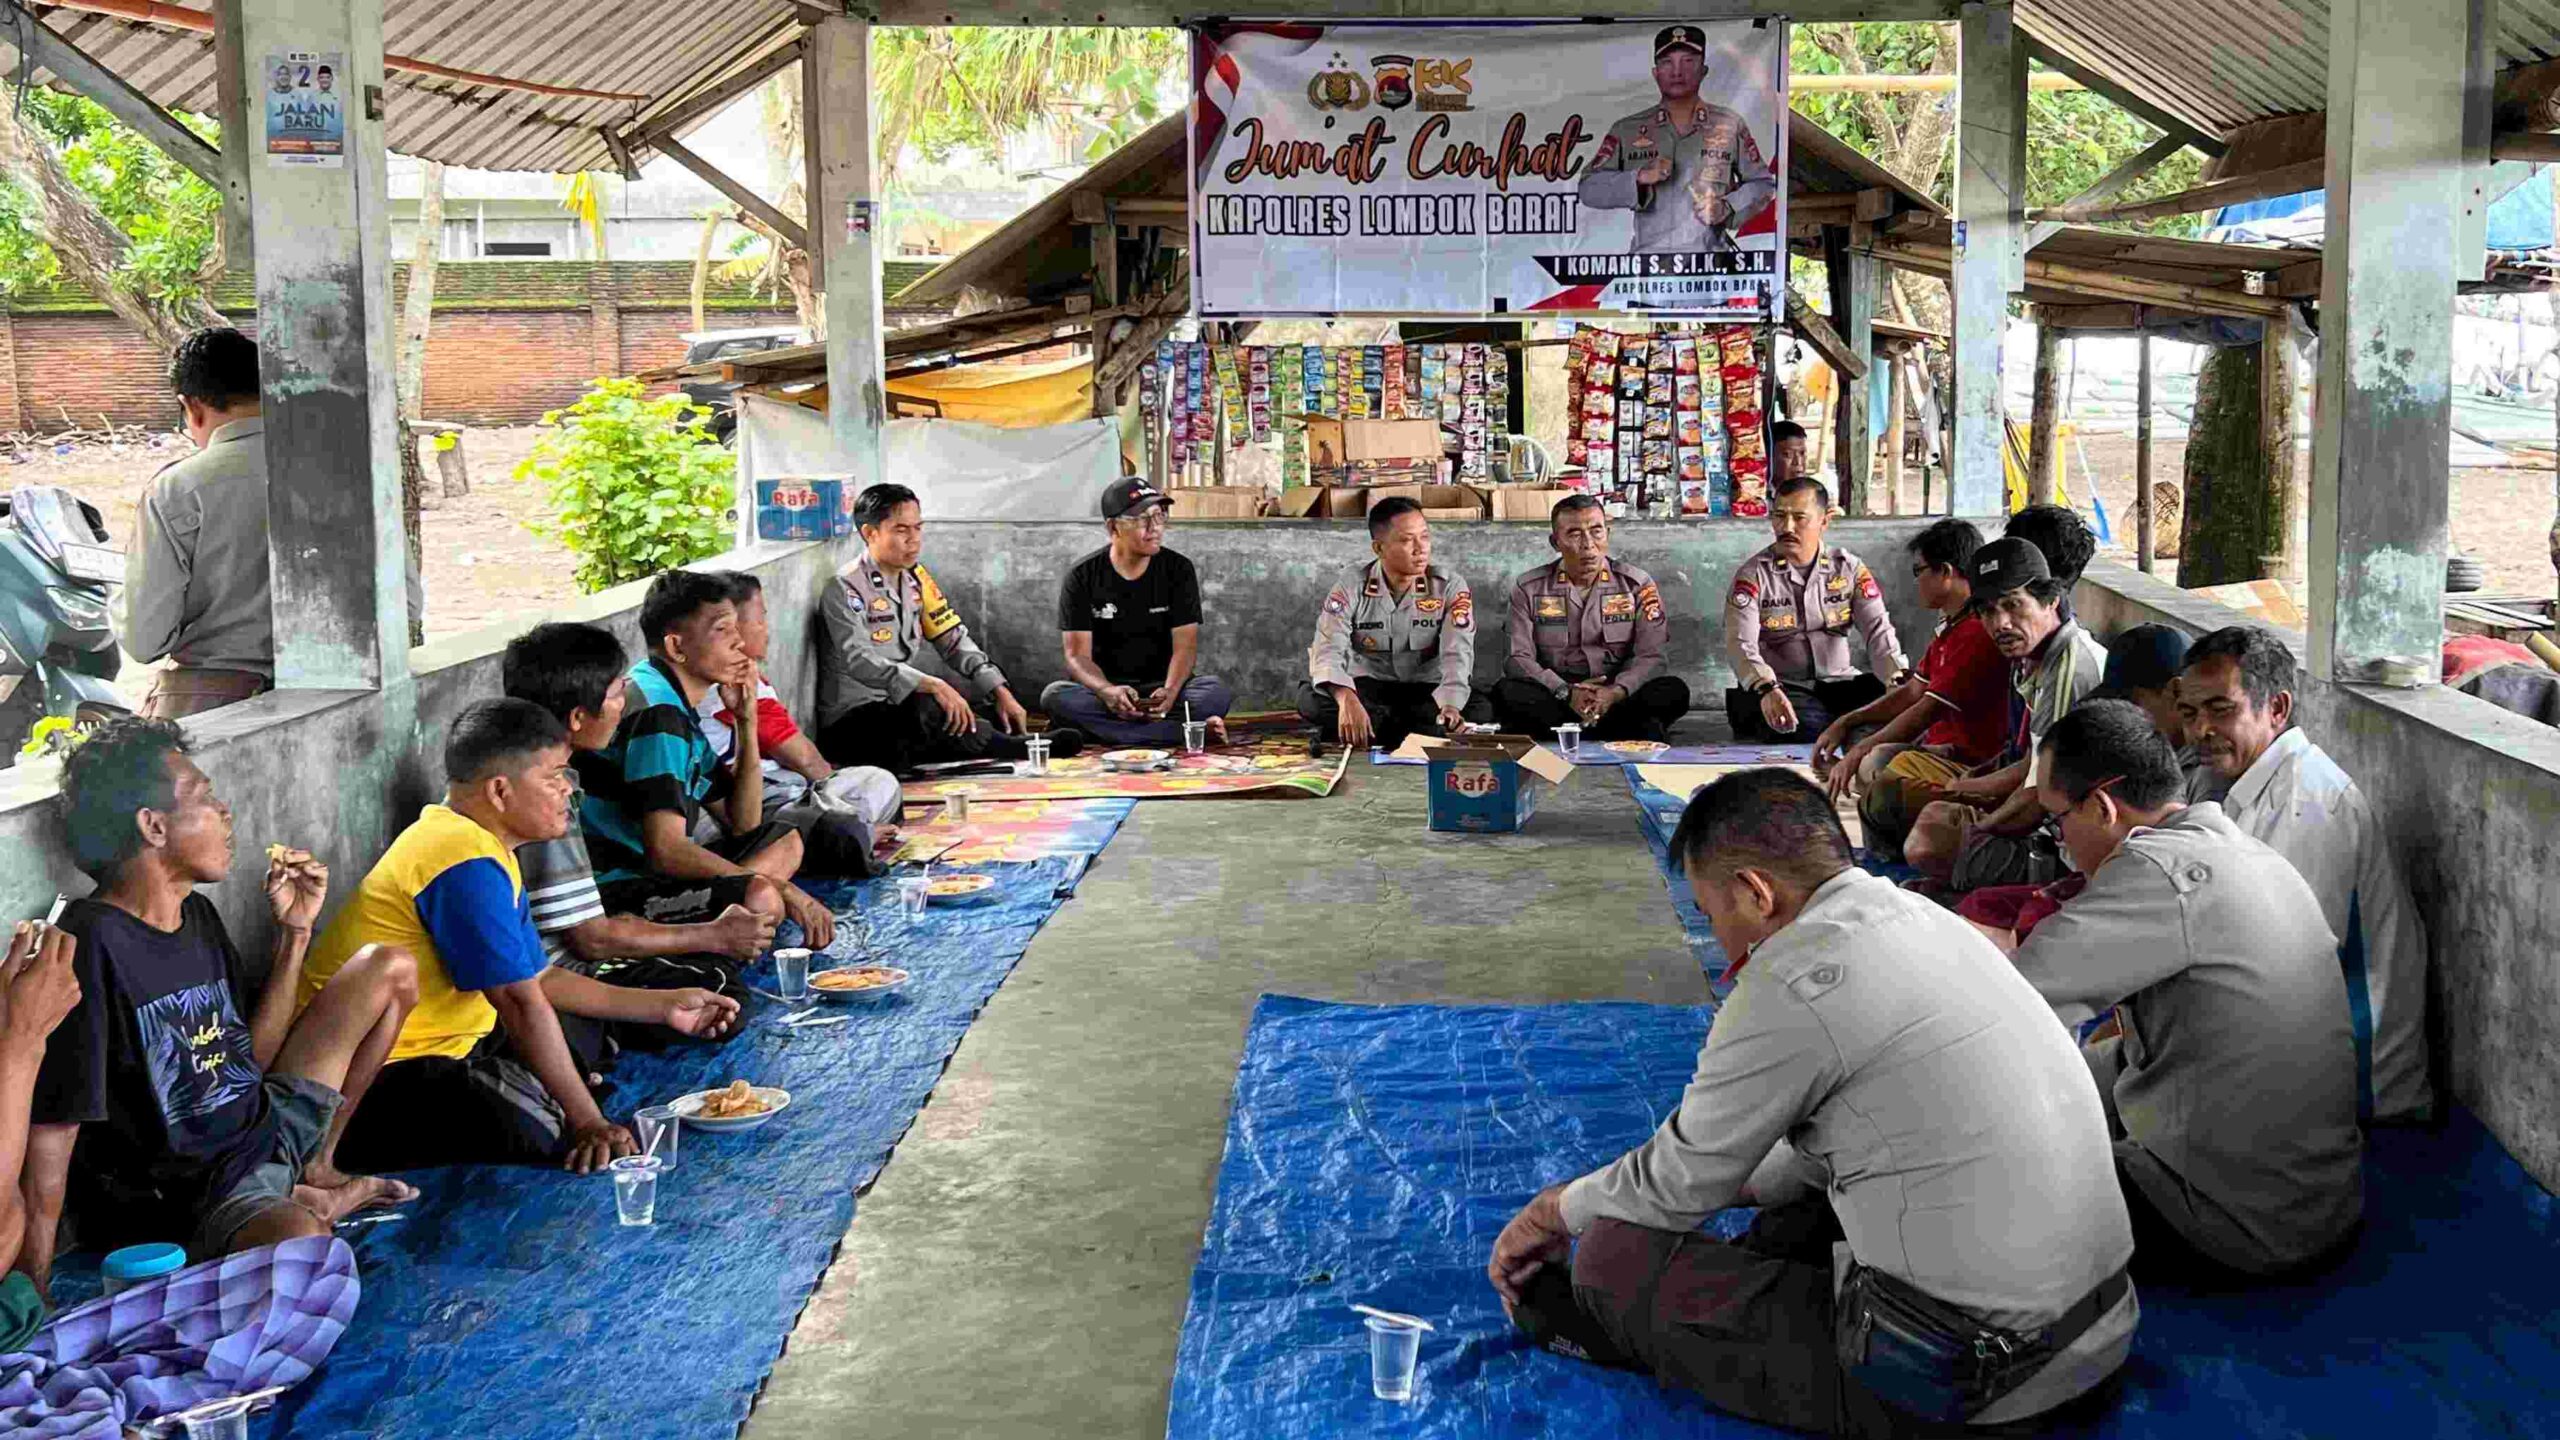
point(306, 94)
point(1579, 169)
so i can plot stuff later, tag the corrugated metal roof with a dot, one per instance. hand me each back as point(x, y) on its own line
point(2218, 64)
point(666, 49)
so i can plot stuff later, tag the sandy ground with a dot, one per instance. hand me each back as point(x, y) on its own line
point(482, 562)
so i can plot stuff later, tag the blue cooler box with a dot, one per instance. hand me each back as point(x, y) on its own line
point(803, 509)
point(1487, 784)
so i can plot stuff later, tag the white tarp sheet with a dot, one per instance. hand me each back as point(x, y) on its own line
point(961, 470)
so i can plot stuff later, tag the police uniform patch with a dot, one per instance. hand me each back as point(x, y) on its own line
point(883, 635)
point(1374, 588)
point(1650, 597)
point(1462, 610)
point(1783, 620)
point(1426, 605)
point(879, 581)
point(1867, 584)
point(1836, 585)
point(1744, 593)
point(1337, 602)
point(1836, 617)
point(1621, 606)
point(879, 604)
point(1551, 607)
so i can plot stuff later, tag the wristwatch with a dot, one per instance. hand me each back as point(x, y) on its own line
point(1764, 687)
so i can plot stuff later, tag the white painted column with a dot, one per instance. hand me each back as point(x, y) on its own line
point(2380, 454)
point(321, 248)
point(1991, 256)
point(845, 225)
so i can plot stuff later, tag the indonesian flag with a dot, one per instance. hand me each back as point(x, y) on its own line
point(1215, 76)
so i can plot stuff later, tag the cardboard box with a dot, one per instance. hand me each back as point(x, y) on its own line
point(804, 508)
point(1486, 784)
point(1217, 502)
point(1338, 444)
point(1439, 502)
point(1301, 502)
point(1346, 502)
point(1524, 502)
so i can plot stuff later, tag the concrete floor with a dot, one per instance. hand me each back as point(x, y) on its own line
point(1022, 1267)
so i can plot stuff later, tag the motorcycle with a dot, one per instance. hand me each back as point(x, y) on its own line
point(58, 651)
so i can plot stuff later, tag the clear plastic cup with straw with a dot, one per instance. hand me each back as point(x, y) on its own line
point(1569, 740)
point(1395, 1351)
point(658, 1128)
point(1035, 759)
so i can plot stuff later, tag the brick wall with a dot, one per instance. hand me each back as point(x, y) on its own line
point(510, 340)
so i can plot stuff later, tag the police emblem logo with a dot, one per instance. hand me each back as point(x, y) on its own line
point(1745, 594)
point(1783, 620)
point(1426, 605)
point(879, 604)
point(1551, 607)
point(1462, 610)
point(1336, 603)
point(883, 635)
point(1650, 597)
point(1620, 606)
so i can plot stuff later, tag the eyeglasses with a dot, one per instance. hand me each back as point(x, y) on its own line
point(1152, 520)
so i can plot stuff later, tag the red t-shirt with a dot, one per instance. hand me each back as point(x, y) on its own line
point(1966, 671)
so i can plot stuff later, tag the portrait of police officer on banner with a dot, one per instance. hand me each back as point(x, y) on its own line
point(1690, 170)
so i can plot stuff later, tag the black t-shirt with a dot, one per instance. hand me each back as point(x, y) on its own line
point(156, 1067)
point(1132, 620)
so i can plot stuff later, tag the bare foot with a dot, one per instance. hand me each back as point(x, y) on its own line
point(1217, 729)
point(353, 1194)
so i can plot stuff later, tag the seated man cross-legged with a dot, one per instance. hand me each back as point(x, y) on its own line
point(576, 672)
point(658, 791)
point(1587, 639)
point(2232, 1082)
point(1395, 642)
point(1787, 624)
point(161, 1112)
point(479, 1073)
point(1129, 617)
point(874, 706)
point(1863, 1084)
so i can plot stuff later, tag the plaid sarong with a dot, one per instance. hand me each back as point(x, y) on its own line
point(245, 1322)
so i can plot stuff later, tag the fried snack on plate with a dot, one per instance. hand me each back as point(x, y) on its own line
point(735, 1102)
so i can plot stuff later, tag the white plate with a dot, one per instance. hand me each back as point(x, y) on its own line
point(873, 993)
point(689, 1109)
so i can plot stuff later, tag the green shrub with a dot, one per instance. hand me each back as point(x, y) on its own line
point(638, 485)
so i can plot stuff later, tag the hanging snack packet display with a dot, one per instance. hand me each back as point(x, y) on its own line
point(1257, 389)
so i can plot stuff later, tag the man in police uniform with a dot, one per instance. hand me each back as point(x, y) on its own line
point(1860, 1085)
point(2232, 1082)
point(874, 706)
point(1787, 624)
point(1690, 170)
point(1587, 636)
point(1395, 643)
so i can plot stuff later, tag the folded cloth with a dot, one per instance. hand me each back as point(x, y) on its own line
point(21, 1311)
point(249, 1321)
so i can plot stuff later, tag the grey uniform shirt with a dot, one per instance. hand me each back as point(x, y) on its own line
point(2234, 1083)
point(876, 623)
point(1717, 160)
point(1427, 635)
point(1793, 625)
point(1561, 633)
point(1882, 1044)
point(196, 587)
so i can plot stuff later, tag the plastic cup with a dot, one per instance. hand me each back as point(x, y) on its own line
point(1195, 736)
point(1035, 760)
point(140, 1264)
point(635, 1188)
point(658, 1127)
point(1569, 740)
point(912, 894)
point(231, 1422)
point(1393, 1352)
point(791, 974)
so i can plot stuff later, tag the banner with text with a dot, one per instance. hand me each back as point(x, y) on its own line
point(1489, 169)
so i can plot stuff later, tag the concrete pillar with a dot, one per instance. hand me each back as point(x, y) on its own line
point(1991, 252)
point(843, 218)
point(323, 258)
point(2380, 454)
point(1856, 282)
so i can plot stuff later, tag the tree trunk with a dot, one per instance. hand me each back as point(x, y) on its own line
point(417, 314)
point(89, 246)
point(2230, 511)
point(2042, 416)
point(702, 268)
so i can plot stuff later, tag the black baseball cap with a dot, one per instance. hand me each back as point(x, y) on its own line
point(1679, 37)
point(2005, 565)
point(1130, 494)
point(2146, 657)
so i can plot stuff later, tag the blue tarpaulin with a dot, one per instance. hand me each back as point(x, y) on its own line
point(2519, 221)
point(1374, 1152)
point(508, 1302)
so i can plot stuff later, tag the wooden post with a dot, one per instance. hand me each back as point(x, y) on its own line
point(2040, 457)
point(1893, 436)
point(2145, 540)
point(1106, 294)
point(2285, 496)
